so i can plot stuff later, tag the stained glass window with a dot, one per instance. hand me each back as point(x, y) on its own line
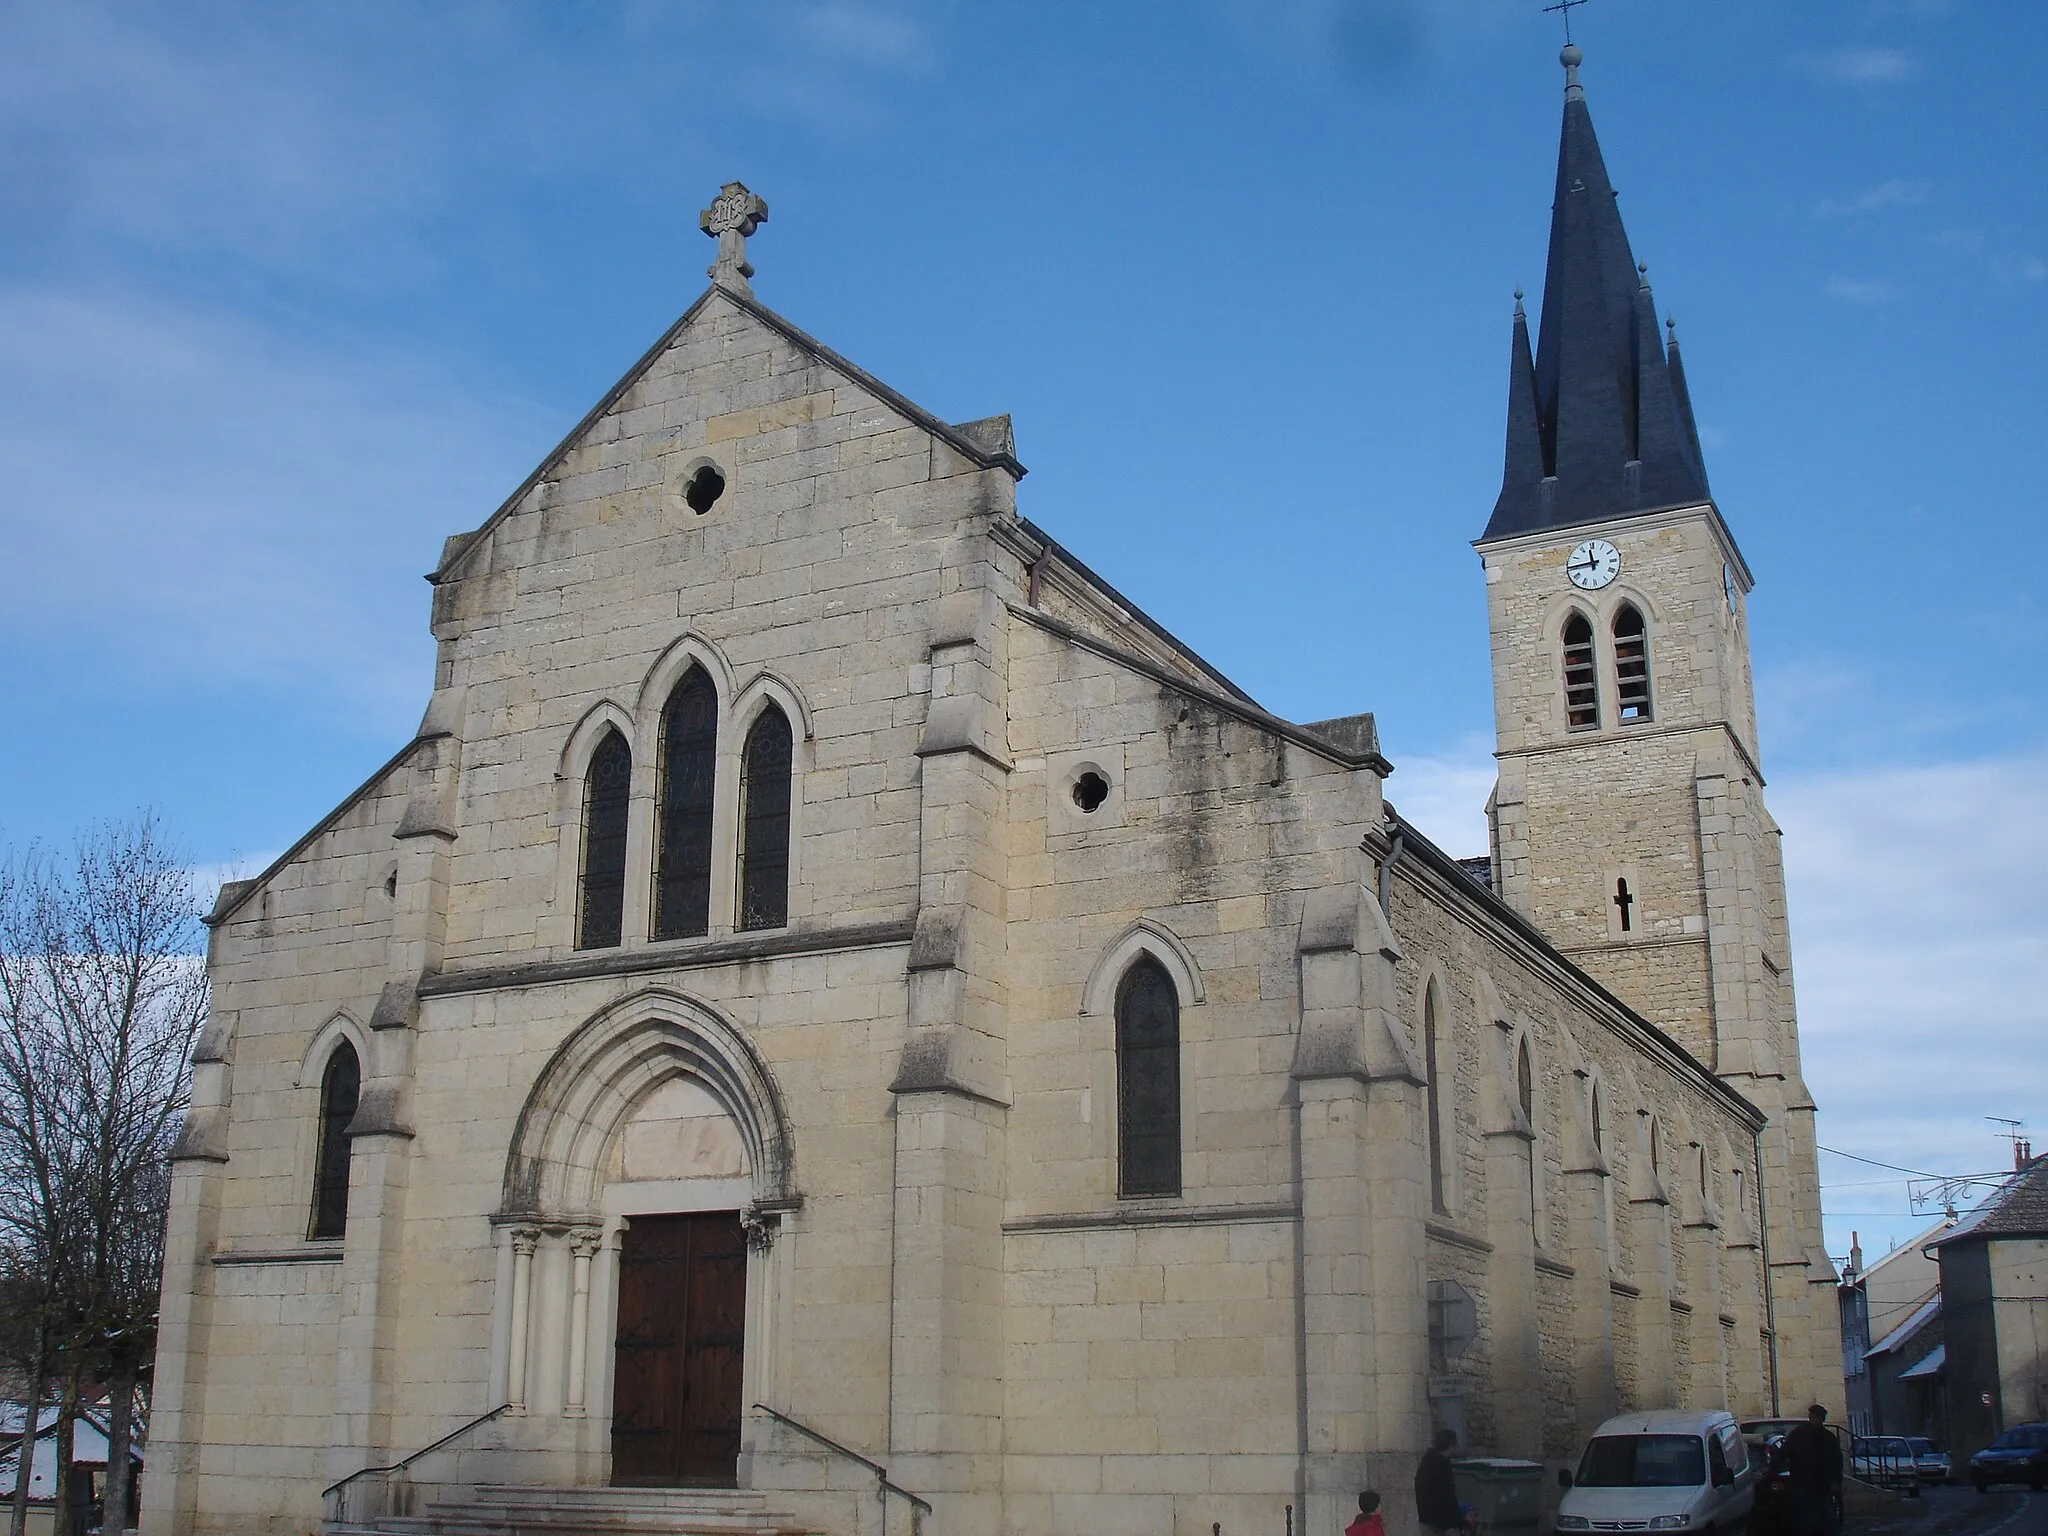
point(340, 1088)
point(764, 822)
point(689, 762)
point(1148, 1081)
point(607, 788)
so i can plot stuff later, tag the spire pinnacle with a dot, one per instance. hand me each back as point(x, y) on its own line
point(1600, 424)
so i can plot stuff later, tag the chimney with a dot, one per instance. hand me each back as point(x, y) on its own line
point(2022, 1154)
point(1855, 1253)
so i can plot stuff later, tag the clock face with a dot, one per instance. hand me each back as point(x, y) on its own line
point(1593, 564)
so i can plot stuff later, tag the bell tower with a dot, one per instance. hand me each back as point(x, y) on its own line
point(1628, 820)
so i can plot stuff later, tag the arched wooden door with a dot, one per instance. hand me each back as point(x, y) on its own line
point(682, 1326)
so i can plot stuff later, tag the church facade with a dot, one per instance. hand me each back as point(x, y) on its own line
point(833, 986)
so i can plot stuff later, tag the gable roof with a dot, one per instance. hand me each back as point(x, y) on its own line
point(980, 442)
point(2018, 1210)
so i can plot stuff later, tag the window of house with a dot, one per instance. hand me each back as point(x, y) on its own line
point(1581, 677)
point(607, 790)
point(340, 1089)
point(683, 806)
point(1148, 1081)
point(1433, 1073)
point(764, 822)
point(1631, 665)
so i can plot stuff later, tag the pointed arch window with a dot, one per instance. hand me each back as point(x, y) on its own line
point(1148, 1081)
point(1525, 1095)
point(607, 790)
point(1599, 1123)
point(1581, 676)
point(1631, 665)
point(764, 822)
point(340, 1091)
point(1433, 1068)
point(683, 806)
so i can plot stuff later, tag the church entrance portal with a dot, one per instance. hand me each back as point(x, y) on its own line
point(682, 1322)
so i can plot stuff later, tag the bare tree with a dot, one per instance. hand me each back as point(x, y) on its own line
point(102, 997)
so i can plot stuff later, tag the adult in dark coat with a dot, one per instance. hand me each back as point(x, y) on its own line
point(1436, 1487)
point(1813, 1460)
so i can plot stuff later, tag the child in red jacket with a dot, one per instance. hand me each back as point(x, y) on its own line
point(1368, 1522)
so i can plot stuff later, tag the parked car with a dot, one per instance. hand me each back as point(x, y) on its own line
point(1930, 1459)
point(2020, 1455)
point(1886, 1460)
point(1668, 1471)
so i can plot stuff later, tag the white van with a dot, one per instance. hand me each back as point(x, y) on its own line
point(1667, 1471)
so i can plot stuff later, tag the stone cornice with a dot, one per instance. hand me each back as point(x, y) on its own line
point(1612, 734)
point(673, 955)
point(1162, 1215)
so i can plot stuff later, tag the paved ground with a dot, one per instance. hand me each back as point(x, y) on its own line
point(1957, 1510)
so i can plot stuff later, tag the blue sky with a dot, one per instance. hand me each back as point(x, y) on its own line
point(289, 293)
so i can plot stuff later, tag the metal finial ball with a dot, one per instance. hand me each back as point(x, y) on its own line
point(1518, 293)
point(1571, 56)
point(1643, 268)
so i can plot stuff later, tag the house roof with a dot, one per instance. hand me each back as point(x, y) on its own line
point(2018, 1210)
point(1928, 1366)
point(1600, 421)
point(1903, 1335)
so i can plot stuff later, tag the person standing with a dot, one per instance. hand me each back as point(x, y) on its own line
point(1436, 1487)
point(1813, 1459)
point(1368, 1522)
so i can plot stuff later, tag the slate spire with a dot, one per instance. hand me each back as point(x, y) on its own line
point(1612, 425)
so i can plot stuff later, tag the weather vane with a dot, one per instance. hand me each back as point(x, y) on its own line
point(1564, 8)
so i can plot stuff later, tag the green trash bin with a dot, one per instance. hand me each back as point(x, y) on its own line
point(1506, 1495)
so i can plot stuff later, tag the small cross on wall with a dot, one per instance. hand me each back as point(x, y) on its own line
point(733, 215)
point(1624, 901)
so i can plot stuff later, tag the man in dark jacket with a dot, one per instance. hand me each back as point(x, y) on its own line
point(1436, 1487)
point(1813, 1459)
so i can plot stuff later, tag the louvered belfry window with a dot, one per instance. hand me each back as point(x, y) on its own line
point(1581, 678)
point(340, 1090)
point(764, 822)
point(1631, 665)
point(1148, 1082)
point(607, 790)
point(689, 765)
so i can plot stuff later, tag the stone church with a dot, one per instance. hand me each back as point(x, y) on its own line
point(838, 1022)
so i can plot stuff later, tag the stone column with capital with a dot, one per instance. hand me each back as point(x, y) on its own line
point(583, 1244)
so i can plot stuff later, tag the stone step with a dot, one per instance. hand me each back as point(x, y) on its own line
point(508, 1509)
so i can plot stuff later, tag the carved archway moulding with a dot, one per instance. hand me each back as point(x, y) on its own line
point(554, 1171)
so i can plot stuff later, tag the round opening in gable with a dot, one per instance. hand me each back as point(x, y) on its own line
point(1090, 790)
point(704, 489)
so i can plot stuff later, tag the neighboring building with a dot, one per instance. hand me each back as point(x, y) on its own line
point(88, 1468)
point(1994, 1289)
point(831, 976)
point(1891, 1338)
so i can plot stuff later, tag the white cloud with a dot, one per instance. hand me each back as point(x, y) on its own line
point(1894, 193)
point(1865, 65)
point(1446, 796)
point(215, 502)
point(1920, 942)
point(1862, 290)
